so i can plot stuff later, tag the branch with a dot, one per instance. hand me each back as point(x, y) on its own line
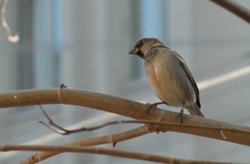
point(222, 131)
point(92, 141)
point(40, 156)
point(101, 151)
point(235, 8)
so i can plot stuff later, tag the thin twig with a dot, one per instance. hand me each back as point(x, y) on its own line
point(234, 7)
point(113, 139)
point(101, 151)
point(60, 130)
point(53, 124)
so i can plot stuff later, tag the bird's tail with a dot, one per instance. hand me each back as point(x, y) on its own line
point(195, 110)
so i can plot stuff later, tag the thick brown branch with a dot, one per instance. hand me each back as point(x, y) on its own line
point(235, 8)
point(101, 151)
point(113, 139)
point(229, 132)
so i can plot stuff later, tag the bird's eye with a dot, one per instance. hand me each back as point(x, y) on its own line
point(140, 53)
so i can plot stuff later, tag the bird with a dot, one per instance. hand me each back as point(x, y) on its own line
point(169, 76)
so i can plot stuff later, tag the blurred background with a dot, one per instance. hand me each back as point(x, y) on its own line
point(85, 44)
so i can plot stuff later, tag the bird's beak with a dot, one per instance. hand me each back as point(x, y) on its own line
point(133, 51)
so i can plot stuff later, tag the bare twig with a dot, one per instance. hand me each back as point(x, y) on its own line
point(101, 151)
point(236, 8)
point(223, 131)
point(11, 38)
point(113, 139)
point(60, 130)
point(53, 124)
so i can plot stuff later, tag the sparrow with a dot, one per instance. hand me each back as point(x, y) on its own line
point(168, 75)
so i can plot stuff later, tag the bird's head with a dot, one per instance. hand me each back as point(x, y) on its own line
point(144, 45)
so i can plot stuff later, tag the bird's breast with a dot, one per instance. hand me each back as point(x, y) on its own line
point(168, 81)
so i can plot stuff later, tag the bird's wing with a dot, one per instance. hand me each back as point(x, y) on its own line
point(190, 77)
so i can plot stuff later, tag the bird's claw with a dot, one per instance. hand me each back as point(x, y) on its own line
point(150, 107)
point(181, 115)
point(154, 105)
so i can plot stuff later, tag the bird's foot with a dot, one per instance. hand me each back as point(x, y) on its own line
point(154, 105)
point(181, 115)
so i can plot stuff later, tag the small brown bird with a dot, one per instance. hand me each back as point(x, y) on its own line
point(168, 75)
